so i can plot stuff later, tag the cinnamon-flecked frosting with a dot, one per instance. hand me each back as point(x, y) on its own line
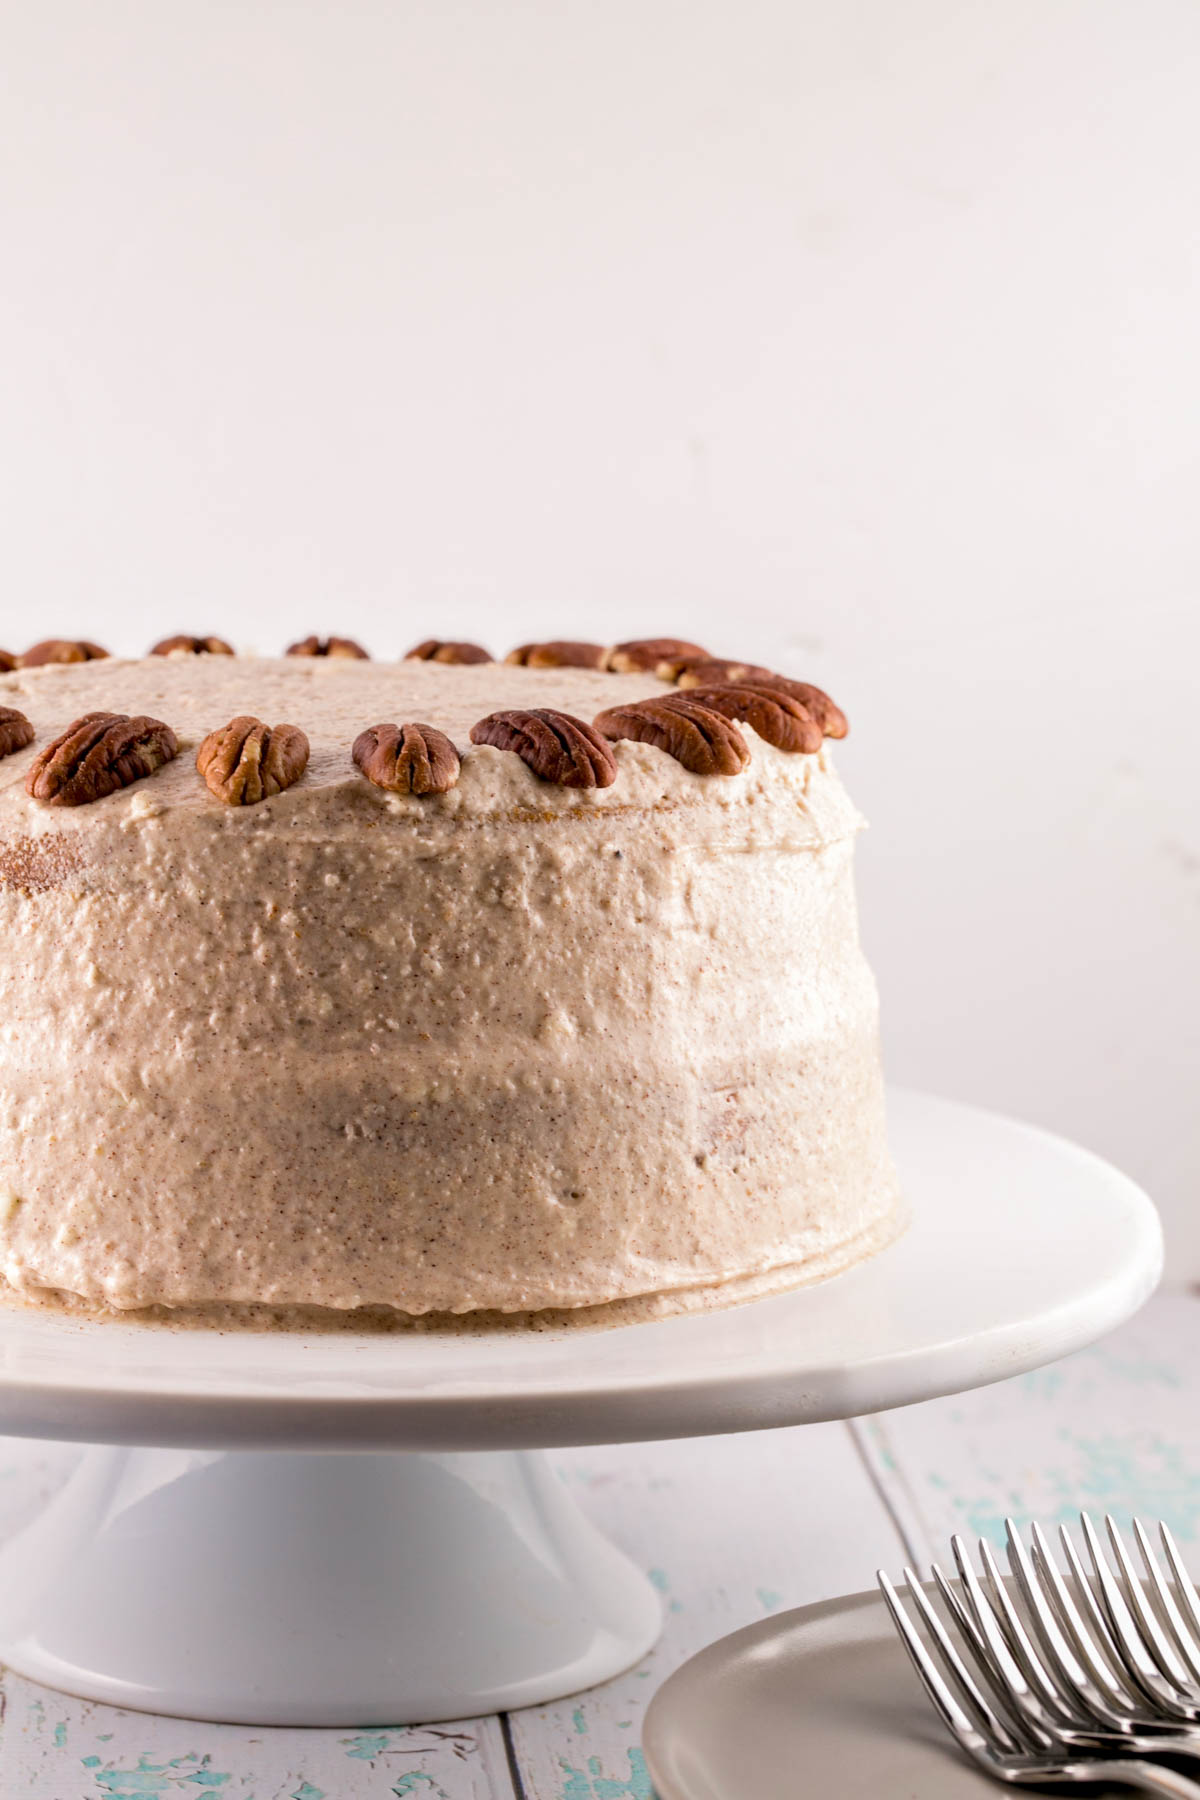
point(511, 1047)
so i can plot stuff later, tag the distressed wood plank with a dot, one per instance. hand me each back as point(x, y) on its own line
point(729, 1529)
point(1110, 1429)
point(54, 1747)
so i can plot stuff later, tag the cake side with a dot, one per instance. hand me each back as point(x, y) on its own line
point(507, 1048)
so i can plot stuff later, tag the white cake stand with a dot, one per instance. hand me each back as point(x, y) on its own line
point(358, 1530)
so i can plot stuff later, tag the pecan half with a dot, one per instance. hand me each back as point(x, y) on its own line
point(559, 654)
point(702, 740)
point(776, 716)
point(247, 761)
point(433, 650)
point(8, 662)
point(646, 656)
point(98, 754)
point(829, 717)
point(555, 745)
point(195, 646)
point(407, 759)
point(315, 646)
point(16, 733)
point(61, 650)
point(719, 672)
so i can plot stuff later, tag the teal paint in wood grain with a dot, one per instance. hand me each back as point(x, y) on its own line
point(883, 1449)
point(367, 1745)
point(658, 1578)
point(1042, 1384)
point(175, 1777)
point(306, 1791)
point(1134, 1367)
point(595, 1786)
point(768, 1599)
point(1143, 1474)
point(1140, 1474)
point(579, 1721)
point(408, 1784)
point(60, 1735)
point(131, 1784)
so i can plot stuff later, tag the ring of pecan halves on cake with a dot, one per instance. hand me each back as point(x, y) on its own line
point(246, 761)
point(8, 662)
point(558, 747)
point(407, 759)
point(434, 650)
point(98, 754)
point(334, 646)
point(704, 741)
point(16, 733)
point(560, 653)
point(61, 650)
point(194, 646)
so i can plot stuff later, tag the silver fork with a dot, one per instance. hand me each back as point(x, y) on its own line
point(1007, 1744)
point(1075, 1701)
point(1158, 1650)
point(1152, 1646)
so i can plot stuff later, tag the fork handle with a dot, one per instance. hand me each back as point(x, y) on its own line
point(1145, 1777)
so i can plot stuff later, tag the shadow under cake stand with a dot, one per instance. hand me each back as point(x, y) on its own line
point(349, 1530)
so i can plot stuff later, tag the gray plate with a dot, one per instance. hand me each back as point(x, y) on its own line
point(819, 1702)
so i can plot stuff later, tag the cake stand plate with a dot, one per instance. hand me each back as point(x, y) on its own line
point(343, 1529)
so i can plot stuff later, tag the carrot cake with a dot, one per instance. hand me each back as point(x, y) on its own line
point(436, 987)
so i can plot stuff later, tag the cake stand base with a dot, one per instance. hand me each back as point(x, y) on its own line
point(323, 1589)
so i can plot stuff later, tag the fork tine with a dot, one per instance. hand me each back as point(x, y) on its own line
point(1185, 1642)
point(978, 1627)
point(1118, 1683)
point(1181, 1578)
point(985, 1620)
point(1087, 1637)
point(992, 1729)
point(1122, 1630)
point(1061, 1657)
point(1154, 1639)
point(957, 1610)
point(948, 1709)
point(961, 1618)
point(1024, 1668)
point(1082, 1682)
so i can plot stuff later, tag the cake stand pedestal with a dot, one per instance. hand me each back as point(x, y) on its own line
point(349, 1530)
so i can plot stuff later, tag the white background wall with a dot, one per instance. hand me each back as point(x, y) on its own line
point(856, 337)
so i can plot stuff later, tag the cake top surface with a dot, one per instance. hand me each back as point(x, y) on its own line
point(332, 700)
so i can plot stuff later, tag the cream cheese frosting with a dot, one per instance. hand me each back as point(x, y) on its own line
point(510, 1048)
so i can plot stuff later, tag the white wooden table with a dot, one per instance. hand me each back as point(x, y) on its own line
point(729, 1529)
